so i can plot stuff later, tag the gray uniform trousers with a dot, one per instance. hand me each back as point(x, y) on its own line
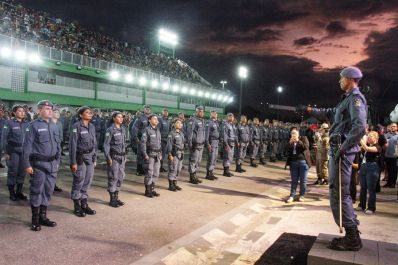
point(152, 169)
point(82, 178)
point(175, 166)
point(212, 155)
point(42, 185)
point(241, 153)
point(275, 147)
point(254, 153)
point(16, 171)
point(164, 151)
point(116, 174)
point(195, 156)
point(263, 149)
point(228, 156)
point(349, 217)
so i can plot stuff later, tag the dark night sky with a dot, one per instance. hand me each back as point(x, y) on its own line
point(300, 45)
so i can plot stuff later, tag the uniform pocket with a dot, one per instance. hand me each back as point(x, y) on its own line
point(44, 138)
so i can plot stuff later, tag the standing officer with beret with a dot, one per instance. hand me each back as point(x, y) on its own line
point(243, 137)
point(196, 140)
point(41, 157)
point(115, 155)
point(139, 125)
point(349, 124)
point(212, 136)
point(255, 140)
point(152, 153)
point(164, 126)
point(82, 156)
point(230, 140)
point(11, 143)
point(175, 154)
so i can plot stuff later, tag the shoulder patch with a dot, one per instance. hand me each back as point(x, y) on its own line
point(27, 129)
point(5, 126)
point(357, 102)
point(107, 134)
point(74, 130)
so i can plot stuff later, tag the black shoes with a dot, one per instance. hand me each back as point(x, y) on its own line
point(227, 173)
point(171, 186)
point(86, 209)
point(78, 211)
point(148, 192)
point(13, 196)
point(35, 219)
point(176, 186)
point(252, 163)
point(43, 217)
point(119, 202)
point(113, 201)
point(350, 242)
point(57, 189)
point(154, 193)
point(19, 194)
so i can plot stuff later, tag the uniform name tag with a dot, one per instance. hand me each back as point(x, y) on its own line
point(83, 132)
point(42, 130)
point(16, 128)
point(116, 134)
point(152, 135)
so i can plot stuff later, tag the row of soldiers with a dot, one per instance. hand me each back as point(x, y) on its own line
point(34, 148)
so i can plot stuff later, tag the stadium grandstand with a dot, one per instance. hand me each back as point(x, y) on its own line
point(44, 57)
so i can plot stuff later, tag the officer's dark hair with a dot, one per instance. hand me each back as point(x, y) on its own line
point(241, 116)
point(255, 118)
point(293, 128)
point(16, 107)
point(175, 121)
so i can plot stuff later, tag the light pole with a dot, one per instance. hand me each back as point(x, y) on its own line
point(168, 39)
point(280, 90)
point(223, 83)
point(242, 73)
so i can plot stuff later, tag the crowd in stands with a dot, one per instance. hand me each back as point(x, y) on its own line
point(39, 27)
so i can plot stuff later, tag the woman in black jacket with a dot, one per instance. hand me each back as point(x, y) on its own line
point(299, 162)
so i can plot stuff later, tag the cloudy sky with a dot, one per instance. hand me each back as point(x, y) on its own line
point(300, 45)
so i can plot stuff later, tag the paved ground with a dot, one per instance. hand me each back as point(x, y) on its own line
point(228, 221)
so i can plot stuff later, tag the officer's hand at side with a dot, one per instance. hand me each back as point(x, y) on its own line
point(146, 157)
point(209, 148)
point(337, 155)
point(171, 157)
point(109, 162)
point(226, 147)
point(7, 157)
point(73, 168)
point(29, 171)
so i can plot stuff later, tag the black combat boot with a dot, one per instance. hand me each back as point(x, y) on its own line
point(227, 173)
point(325, 181)
point(175, 185)
point(78, 211)
point(140, 170)
point(43, 217)
point(252, 163)
point(209, 175)
point(192, 178)
point(262, 161)
point(162, 169)
point(119, 202)
point(318, 181)
point(19, 194)
point(196, 178)
point(57, 189)
point(35, 219)
point(112, 200)
point(212, 174)
point(350, 242)
point(171, 186)
point(86, 208)
point(154, 193)
point(13, 196)
point(148, 192)
point(238, 168)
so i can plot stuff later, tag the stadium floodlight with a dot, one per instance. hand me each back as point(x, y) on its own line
point(207, 95)
point(155, 83)
point(168, 37)
point(219, 97)
point(214, 96)
point(176, 88)
point(184, 90)
point(114, 75)
point(5, 52)
point(192, 92)
point(165, 86)
point(225, 98)
point(142, 81)
point(242, 73)
point(223, 83)
point(230, 100)
point(200, 93)
point(280, 89)
point(20, 55)
point(129, 78)
point(34, 58)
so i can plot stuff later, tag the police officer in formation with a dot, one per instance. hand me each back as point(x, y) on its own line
point(151, 149)
point(243, 138)
point(11, 144)
point(175, 154)
point(196, 140)
point(255, 140)
point(230, 140)
point(55, 119)
point(2, 121)
point(265, 141)
point(115, 155)
point(98, 124)
point(212, 139)
point(164, 126)
point(41, 158)
point(137, 130)
point(82, 156)
point(349, 125)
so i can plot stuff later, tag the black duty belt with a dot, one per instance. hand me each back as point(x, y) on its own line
point(14, 144)
point(42, 158)
point(113, 153)
point(85, 152)
point(154, 150)
point(214, 138)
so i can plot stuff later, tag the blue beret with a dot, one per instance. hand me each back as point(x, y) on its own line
point(45, 103)
point(351, 72)
point(199, 107)
point(83, 109)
